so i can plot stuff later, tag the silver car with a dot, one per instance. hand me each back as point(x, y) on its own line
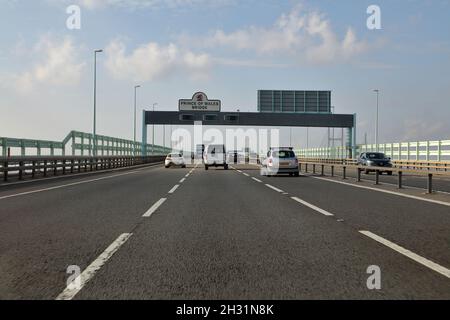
point(280, 161)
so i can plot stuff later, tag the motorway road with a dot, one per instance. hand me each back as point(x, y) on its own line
point(218, 235)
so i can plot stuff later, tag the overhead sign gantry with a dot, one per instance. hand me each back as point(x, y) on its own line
point(208, 112)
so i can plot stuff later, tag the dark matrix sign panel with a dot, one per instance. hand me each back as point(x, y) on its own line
point(294, 101)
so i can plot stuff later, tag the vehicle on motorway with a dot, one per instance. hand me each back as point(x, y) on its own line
point(375, 159)
point(280, 161)
point(175, 159)
point(215, 156)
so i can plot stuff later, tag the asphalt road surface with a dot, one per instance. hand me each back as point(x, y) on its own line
point(156, 233)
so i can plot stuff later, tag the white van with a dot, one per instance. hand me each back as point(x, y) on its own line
point(215, 156)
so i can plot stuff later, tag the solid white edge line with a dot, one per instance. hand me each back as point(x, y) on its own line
point(311, 206)
point(257, 180)
point(386, 191)
point(423, 261)
point(154, 207)
point(71, 290)
point(65, 185)
point(274, 188)
point(174, 188)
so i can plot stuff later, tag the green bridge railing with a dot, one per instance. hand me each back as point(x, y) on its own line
point(79, 143)
point(438, 150)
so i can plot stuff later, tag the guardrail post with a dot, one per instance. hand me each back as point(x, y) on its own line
point(55, 168)
point(400, 182)
point(300, 167)
point(377, 177)
point(306, 167)
point(64, 167)
point(358, 175)
point(344, 172)
point(71, 166)
point(5, 171)
point(20, 170)
point(430, 183)
point(33, 169)
point(45, 168)
point(323, 171)
point(314, 169)
point(332, 171)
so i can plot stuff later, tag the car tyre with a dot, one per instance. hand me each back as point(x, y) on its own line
point(225, 167)
point(206, 167)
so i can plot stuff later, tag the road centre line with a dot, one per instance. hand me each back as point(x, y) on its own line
point(79, 282)
point(311, 206)
point(182, 180)
point(154, 207)
point(257, 180)
point(65, 185)
point(385, 191)
point(174, 188)
point(423, 261)
point(246, 174)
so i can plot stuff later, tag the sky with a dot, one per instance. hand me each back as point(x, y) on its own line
point(228, 49)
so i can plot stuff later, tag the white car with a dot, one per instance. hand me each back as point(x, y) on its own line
point(175, 159)
point(215, 156)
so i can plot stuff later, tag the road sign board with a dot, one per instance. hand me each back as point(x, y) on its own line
point(199, 102)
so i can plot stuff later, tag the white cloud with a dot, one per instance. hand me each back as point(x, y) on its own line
point(306, 35)
point(57, 65)
point(153, 61)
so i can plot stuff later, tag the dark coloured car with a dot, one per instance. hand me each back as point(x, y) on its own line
point(375, 159)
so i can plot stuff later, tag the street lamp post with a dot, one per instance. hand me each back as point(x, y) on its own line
point(94, 136)
point(135, 94)
point(153, 134)
point(376, 124)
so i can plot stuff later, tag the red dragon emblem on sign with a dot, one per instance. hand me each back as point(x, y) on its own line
point(200, 98)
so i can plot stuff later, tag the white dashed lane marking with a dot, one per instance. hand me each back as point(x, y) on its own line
point(311, 206)
point(154, 207)
point(174, 189)
point(274, 188)
point(79, 282)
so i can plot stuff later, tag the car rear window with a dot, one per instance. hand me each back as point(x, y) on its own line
point(376, 156)
point(284, 154)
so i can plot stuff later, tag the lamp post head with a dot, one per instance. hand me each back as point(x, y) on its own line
point(98, 51)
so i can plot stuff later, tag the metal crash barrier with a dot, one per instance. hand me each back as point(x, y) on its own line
point(56, 165)
point(345, 165)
